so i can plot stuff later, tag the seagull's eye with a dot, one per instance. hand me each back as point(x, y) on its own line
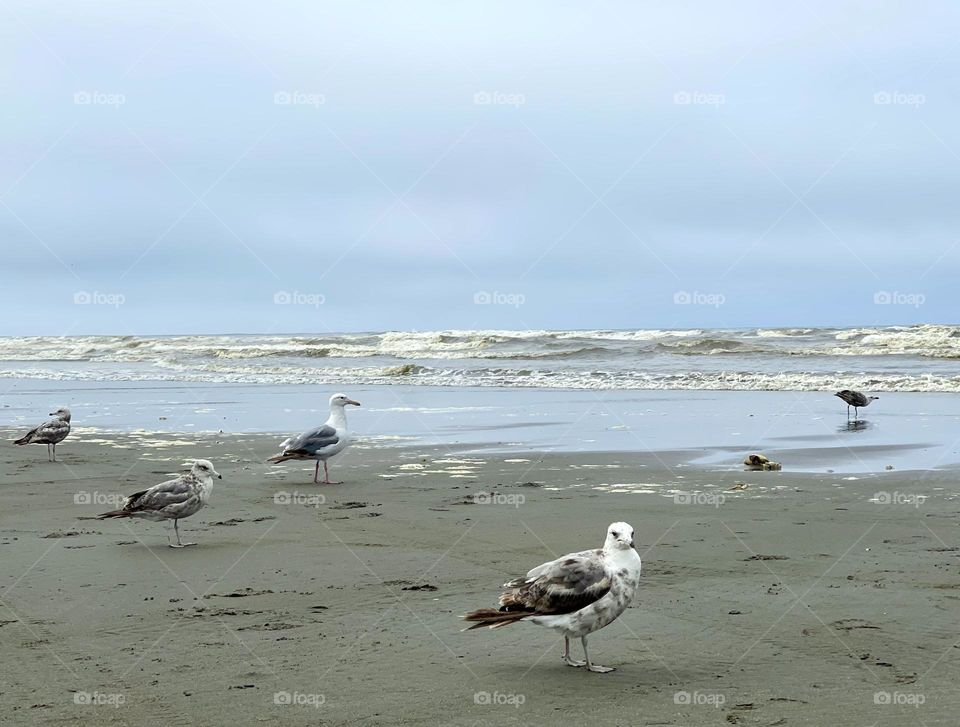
point(615, 534)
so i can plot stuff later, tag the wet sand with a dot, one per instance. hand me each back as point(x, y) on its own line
point(805, 598)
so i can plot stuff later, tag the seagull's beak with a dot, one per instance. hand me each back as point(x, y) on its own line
point(351, 401)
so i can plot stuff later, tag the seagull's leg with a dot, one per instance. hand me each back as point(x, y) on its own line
point(566, 654)
point(48, 454)
point(53, 449)
point(316, 472)
point(177, 533)
point(856, 413)
point(326, 475)
point(590, 665)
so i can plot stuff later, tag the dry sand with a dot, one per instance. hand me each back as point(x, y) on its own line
point(802, 599)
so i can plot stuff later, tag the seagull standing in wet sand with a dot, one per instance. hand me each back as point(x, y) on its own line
point(323, 442)
point(856, 400)
point(171, 500)
point(576, 595)
point(50, 433)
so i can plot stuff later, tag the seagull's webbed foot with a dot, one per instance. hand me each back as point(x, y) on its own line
point(600, 669)
point(328, 482)
point(573, 662)
point(180, 545)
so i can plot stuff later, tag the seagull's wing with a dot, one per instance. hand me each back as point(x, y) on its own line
point(312, 441)
point(563, 585)
point(50, 432)
point(171, 497)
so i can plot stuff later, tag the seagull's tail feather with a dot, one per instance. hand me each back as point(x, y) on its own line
point(25, 439)
point(493, 618)
point(114, 513)
point(280, 458)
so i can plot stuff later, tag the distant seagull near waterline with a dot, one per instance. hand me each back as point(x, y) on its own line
point(576, 595)
point(51, 432)
point(856, 400)
point(171, 500)
point(323, 442)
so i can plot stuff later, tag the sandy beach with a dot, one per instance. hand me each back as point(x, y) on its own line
point(792, 599)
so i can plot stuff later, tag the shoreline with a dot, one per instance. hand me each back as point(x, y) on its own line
point(798, 598)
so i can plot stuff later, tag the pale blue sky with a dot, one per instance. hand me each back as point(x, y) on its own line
point(792, 163)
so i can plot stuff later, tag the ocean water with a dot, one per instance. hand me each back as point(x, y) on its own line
point(921, 358)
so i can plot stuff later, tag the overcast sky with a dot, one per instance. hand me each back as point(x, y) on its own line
point(172, 167)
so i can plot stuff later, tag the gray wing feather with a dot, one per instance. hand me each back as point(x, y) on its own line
point(563, 585)
point(312, 440)
point(50, 432)
point(172, 497)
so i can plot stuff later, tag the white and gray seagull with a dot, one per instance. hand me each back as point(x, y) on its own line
point(576, 595)
point(171, 500)
point(51, 432)
point(856, 400)
point(323, 442)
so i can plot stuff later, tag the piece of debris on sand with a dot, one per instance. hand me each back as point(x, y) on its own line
point(758, 462)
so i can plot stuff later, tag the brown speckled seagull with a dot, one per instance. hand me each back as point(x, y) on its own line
point(50, 433)
point(576, 595)
point(856, 400)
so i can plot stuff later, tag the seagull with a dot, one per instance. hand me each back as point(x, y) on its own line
point(576, 595)
point(855, 399)
point(171, 500)
point(323, 442)
point(50, 433)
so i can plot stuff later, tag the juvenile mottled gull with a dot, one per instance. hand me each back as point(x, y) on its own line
point(323, 442)
point(856, 400)
point(172, 500)
point(576, 595)
point(50, 432)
